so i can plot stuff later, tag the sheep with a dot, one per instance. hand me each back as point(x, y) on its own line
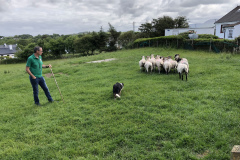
point(182, 68)
point(152, 59)
point(142, 62)
point(183, 60)
point(159, 63)
point(174, 64)
point(167, 65)
point(148, 64)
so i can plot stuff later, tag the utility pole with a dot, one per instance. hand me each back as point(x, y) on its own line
point(133, 26)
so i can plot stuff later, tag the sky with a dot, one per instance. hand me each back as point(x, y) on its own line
point(36, 17)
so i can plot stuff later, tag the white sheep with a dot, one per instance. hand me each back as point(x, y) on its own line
point(142, 62)
point(148, 64)
point(174, 64)
point(152, 59)
point(182, 68)
point(159, 63)
point(183, 60)
point(167, 65)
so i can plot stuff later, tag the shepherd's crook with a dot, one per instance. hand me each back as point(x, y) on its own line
point(57, 84)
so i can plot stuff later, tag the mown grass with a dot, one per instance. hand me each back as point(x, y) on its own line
point(157, 117)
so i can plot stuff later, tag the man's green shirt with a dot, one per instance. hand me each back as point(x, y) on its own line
point(35, 65)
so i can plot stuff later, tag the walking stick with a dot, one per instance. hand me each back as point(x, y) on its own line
point(57, 84)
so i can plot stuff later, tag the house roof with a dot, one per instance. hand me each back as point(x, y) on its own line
point(5, 49)
point(232, 16)
point(231, 25)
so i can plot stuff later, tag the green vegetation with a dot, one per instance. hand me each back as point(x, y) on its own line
point(157, 117)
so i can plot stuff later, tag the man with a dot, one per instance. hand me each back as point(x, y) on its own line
point(34, 69)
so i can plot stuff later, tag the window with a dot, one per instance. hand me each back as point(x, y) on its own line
point(230, 33)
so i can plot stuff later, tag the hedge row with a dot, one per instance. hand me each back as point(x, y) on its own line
point(216, 45)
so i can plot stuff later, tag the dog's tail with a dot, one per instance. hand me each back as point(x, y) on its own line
point(117, 96)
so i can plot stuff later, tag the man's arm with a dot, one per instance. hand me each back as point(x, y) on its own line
point(29, 72)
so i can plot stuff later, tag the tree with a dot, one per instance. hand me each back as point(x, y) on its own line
point(28, 51)
point(45, 46)
point(85, 44)
point(126, 38)
point(57, 47)
point(146, 29)
point(102, 40)
point(23, 36)
point(180, 22)
point(8, 40)
point(157, 27)
point(113, 37)
point(22, 43)
point(69, 44)
point(161, 24)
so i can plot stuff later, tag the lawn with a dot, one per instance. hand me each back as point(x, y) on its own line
point(158, 116)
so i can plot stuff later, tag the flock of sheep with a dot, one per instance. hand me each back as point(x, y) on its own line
point(166, 63)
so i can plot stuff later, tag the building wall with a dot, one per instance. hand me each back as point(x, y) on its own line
point(236, 30)
point(169, 32)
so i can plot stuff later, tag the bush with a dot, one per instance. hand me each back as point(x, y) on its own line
point(184, 35)
point(207, 36)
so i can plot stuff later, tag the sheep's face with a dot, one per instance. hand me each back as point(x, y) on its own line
point(177, 56)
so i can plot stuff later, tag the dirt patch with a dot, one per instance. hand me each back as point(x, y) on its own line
point(50, 74)
point(104, 60)
point(203, 155)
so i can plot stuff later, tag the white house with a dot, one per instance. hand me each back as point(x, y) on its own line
point(8, 50)
point(228, 26)
point(207, 27)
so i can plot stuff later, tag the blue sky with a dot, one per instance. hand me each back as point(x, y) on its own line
point(73, 16)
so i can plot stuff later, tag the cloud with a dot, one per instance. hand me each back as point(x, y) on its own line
point(194, 3)
point(4, 5)
point(73, 16)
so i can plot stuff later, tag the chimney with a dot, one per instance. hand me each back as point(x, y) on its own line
point(10, 47)
point(5, 45)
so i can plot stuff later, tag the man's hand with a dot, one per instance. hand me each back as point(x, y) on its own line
point(48, 66)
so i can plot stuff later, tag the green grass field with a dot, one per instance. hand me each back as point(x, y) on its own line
point(157, 117)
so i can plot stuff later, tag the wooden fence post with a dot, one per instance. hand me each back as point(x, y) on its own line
point(210, 48)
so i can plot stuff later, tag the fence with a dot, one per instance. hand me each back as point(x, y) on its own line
point(212, 45)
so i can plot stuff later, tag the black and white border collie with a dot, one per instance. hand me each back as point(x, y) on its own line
point(117, 88)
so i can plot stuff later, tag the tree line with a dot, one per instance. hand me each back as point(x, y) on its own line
point(88, 43)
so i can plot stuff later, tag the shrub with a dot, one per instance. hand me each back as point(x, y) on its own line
point(207, 36)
